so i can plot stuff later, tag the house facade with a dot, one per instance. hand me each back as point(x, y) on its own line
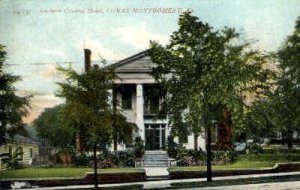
point(140, 99)
point(27, 146)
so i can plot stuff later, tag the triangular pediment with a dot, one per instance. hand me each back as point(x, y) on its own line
point(139, 63)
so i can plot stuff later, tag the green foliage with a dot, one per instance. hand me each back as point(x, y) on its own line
point(122, 130)
point(87, 108)
point(270, 157)
point(281, 109)
point(14, 160)
point(139, 148)
point(50, 126)
point(12, 107)
point(81, 159)
point(172, 147)
point(116, 159)
point(186, 157)
point(260, 120)
point(202, 68)
point(254, 149)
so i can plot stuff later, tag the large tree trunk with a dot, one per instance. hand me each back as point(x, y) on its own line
point(95, 165)
point(224, 138)
point(79, 147)
point(208, 150)
point(196, 141)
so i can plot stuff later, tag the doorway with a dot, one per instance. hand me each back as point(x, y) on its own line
point(155, 136)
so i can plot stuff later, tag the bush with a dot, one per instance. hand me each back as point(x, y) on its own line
point(187, 157)
point(138, 148)
point(171, 147)
point(254, 149)
point(126, 158)
point(120, 159)
point(224, 157)
point(81, 159)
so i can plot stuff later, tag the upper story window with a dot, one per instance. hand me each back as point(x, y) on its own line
point(126, 99)
point(152, 105)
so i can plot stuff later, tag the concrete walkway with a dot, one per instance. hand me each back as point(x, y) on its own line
point(167, 183)
point(156, 171)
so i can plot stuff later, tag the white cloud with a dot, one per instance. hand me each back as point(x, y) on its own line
point(139, 36)
point(264, 30)
point(98, 50)
point(38, 105)
point(57, 54)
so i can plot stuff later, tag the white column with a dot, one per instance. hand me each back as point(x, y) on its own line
point(140, 110)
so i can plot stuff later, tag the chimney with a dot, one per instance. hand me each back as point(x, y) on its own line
point(87, 59)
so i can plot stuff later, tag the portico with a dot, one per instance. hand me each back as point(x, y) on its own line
point(140, 98)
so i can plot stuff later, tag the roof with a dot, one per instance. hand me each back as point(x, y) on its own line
point(130, 59)
point(23, 139)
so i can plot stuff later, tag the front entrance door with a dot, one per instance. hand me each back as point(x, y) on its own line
point(155, 136)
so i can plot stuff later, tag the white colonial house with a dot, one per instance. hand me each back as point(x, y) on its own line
point(140, 98)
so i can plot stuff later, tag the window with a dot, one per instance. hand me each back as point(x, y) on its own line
point(20, 150)
point(31, 152)
point(126, 99)
point(152, 105)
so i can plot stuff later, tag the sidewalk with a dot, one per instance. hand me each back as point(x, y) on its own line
point(166, 184)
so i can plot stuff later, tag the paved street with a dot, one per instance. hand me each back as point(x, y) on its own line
point(263, 186)
point(166, 184)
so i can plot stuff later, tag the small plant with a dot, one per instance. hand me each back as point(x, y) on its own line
point(254, 149)
point(14, 160)
point(81, 159)
point(172, 147)
point(138, 148)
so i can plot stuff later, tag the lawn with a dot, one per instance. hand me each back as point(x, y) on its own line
point(57, 172)
point(259, 161)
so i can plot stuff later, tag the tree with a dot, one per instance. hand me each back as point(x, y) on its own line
point(87, 107)
point(286, 98)
point(88, 111)
point(205, 73)
point(12, 106)
point(49, 126)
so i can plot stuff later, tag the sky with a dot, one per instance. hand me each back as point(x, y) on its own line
point(38, 34)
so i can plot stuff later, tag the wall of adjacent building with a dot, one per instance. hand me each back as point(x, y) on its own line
point(27, 154)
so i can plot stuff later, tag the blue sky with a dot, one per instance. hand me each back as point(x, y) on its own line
point(38, 34)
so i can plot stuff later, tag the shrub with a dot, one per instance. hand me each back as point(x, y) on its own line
point(81, 159)
point(254, 149)
point(224, 157)
point(126, 158)
point(185, 161)
point(138, 148)
point(199, 157)
point(171, 147)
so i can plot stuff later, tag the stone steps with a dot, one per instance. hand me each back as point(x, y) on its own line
point(155, 159)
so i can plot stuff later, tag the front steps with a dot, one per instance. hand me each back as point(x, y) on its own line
point(157, 158)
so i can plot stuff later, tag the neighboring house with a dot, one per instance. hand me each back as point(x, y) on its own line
point(29, 147)
point(140, 98)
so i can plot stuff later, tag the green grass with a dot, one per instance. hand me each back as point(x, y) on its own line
point(260, 161)
point(234, 166)
point(56, 172)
